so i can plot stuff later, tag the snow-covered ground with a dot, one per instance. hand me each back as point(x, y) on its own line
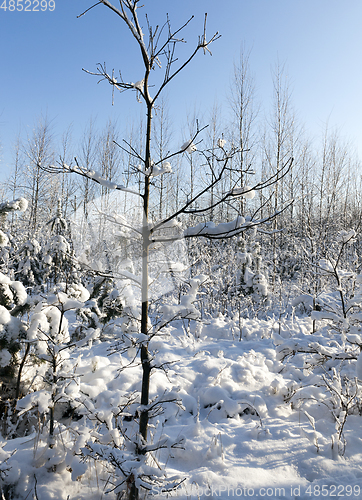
point(249, 424)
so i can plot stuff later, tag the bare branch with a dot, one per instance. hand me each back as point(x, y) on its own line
point(131, 150)
point(203, 44)
point(171, 36)
point(80, 15)
point(192, 140)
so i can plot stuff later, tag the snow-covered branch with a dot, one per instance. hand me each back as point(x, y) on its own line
point(89, 174)
point(20, 204)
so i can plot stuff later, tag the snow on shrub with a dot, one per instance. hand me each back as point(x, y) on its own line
point(12, 330)
point(12, 293)
point(4, 240)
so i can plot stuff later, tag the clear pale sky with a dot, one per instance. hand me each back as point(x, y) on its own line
point(42, 55)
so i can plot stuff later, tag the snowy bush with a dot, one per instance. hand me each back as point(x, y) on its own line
point(328, 354)
point(57, 253)
point(49, 335)
point(13, 301)
point(12, 293)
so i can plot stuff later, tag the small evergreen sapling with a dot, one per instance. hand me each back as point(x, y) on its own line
point(28, 266)
point(58, 255)
point(7, 243)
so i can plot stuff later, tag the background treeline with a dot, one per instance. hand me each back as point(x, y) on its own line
point(72, 251)
point(322, 189)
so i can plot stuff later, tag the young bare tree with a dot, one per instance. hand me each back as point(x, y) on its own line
point(152, 52)
point(157, 50)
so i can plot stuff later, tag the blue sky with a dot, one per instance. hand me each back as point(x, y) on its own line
point(42, 55)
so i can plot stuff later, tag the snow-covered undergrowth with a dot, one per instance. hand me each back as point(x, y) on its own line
point(240, 422)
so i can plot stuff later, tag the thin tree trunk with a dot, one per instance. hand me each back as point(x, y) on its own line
point(145, 358)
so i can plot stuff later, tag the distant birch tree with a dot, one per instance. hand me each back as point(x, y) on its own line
point(245, 111)
point(39, 188)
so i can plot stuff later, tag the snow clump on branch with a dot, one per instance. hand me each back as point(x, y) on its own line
point(93, 174)
point(346, 236)
point(189, 147)
point(156, 170)
point(210, 228)
point(245, 191)
point(165, 168)
point(139, 85)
